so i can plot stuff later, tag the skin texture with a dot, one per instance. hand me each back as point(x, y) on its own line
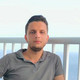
point(37, 38)
point(60, 77)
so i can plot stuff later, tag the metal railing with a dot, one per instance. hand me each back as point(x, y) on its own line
point(65, 41)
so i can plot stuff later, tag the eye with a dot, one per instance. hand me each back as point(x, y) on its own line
point(42, 32)
point(32, 32)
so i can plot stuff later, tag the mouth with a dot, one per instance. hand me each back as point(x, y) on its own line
point(37, 42)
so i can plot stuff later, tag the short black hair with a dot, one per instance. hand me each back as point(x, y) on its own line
point(36, 18)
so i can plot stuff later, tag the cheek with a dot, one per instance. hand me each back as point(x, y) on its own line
point(47, 39)
point(30, 40)
point(27, 39)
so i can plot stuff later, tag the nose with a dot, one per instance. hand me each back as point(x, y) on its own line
point(37, 35)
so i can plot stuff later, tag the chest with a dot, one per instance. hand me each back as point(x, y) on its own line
point(28, 71)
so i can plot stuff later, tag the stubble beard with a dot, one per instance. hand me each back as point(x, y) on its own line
point(36, 49)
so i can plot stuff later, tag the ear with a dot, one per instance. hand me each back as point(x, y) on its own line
point(25, 37)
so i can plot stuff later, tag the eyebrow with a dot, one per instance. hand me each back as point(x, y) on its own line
point(33, 30)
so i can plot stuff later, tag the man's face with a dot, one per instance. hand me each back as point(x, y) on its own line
point(37, 35)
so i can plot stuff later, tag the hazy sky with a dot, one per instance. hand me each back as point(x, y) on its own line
point(63, 16)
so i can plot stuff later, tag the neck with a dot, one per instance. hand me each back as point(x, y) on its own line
point(33, 56)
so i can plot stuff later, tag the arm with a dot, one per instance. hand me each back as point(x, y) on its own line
point(4, 63)
point(60, 77)
point(59, 74)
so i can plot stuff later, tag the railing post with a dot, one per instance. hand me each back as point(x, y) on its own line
point(66, 60)
point(79, 64)
point(4, 49)
point(53, 48)
point(22, 45)
point(13, 45)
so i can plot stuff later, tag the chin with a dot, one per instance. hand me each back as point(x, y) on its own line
point(36, 49)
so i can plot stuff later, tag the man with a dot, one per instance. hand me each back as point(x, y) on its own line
point(33, 63)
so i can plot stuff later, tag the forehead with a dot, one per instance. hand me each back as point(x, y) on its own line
point(37, 25)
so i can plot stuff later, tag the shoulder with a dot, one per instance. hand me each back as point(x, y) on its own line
point(13, 55)
point(56, 61)
point(54, 58)
point(52, 55)
point(8, 56)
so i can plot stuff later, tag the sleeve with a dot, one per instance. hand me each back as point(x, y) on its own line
point(4, 64)
point(58, 67)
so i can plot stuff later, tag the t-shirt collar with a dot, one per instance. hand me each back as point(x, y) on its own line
point(20, 55)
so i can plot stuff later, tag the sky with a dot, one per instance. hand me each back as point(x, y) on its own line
point(63, 16)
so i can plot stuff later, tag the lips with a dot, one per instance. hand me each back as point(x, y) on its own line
point(37, 42)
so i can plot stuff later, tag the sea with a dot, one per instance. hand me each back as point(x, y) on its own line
point(73, 63)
